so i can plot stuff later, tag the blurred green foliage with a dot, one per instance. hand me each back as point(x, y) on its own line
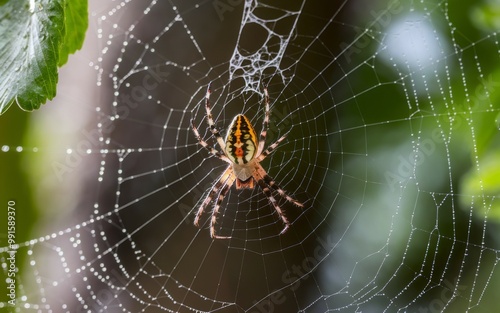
point(14, 186)
point(482, 180)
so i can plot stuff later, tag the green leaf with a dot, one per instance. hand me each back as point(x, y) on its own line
point(36, 37)
point(76, 24)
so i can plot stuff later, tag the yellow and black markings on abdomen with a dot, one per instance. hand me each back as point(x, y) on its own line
point(241, 140)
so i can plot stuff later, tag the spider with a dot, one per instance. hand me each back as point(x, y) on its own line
point(243, 153)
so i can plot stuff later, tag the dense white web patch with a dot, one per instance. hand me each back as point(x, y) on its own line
point(391, 111)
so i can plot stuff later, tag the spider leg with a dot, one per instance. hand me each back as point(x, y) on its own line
point(273, 201)
point(265, 123)
point(210, 120)
point(270, 182)
point(215, 189)
point(229, 182)
point(270, 149)
point(211, 149)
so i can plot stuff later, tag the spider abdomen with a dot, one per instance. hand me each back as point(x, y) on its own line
point(241, 140)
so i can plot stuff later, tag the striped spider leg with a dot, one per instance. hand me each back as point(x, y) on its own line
point(244, 153)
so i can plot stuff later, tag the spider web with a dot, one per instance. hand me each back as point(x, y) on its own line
point(391, 115)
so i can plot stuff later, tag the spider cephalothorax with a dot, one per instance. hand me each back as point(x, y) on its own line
point(243, 153)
